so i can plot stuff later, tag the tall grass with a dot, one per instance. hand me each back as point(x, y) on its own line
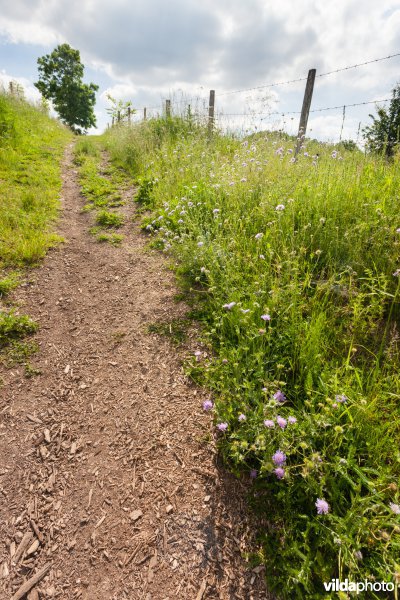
point(293, 268)
point(31, 146)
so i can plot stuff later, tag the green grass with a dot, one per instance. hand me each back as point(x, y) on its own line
point(102, 186)
point(290, 269)
point(31, 148)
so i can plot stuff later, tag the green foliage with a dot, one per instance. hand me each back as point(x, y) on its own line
point(8, 283)
point(314, 244)
point(119, 110)
point(60, 80)
point(383, 136)
point(14, 327)
point(31, 148)
point(109, 219)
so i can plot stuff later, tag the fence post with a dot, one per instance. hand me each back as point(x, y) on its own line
point(305, 108)
point(112, 123)
point(211, 106)
point(144, 114)
point(168, 108)
point(129, 115)
point(344, 116)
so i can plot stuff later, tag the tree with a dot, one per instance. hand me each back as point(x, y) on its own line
point(60, 80)
point(384, 134)
point(119, 110)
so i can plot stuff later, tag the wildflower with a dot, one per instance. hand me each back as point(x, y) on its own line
point(258, 236)
point(242, 417)
point(306, 154)
point(280, 207)
point(197, 354)
point(292, 160)
point(279, 151)
point(266, 317)
point(245, 310)
point(281, 422)
point(231, 183)
point(216, 211)
point(224, 361)
point(200, 244)
point(253, 473)
point(279, 472)
point(207, 405)
point(262, 256)
point(334, 154)
point(203, 269)
point(398, 230)
point(395, 508)
point(342, 399)
point(244, 164)
point(279, 396)
point(292, 420)
point(222, 426)
point(358, 555)
point(322, 506)
point(396, 273)
point(243, 180)
point(335, 405)
point(279, 458)
point(229, 306)
point(180, 221)
point(269, 423)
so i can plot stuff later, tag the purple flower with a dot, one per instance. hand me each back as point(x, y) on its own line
point(398, 230)
point(396, 273)
point(341, 398)
point(292, 420)
point(207, 405)
point(269, 423)
point(224, 361)
point(279, 458)
point(280, 207)
point(322, 506)
point(334, 154)
point(281, 422)
point(279, 472)
point(216, 211)
point(279, 151)
point(229, 306)
point(279, 396)
point(266, 317)
point(222, 426)
point(253, 473)
point(200, 244)
point(258, 236)
point(395, 508)
point(242, 417)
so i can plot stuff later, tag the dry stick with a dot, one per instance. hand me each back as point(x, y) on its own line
point(28, 585)
point(25, 542)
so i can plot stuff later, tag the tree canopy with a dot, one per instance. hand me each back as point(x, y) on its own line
point(60, 80)
point(384, 134)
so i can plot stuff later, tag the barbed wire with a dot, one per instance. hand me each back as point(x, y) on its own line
point(268, 85)
point(298, 112)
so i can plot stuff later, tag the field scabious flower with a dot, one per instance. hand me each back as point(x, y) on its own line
point(395, 508)
point(341, 398)
point(279, 472)
point(292, 420)
point(253, 473)
point(266, 317)
point(222, 426)
point(280, 207)
point(229, 306)
point(207, 405)
point(322, 506)
point(269, 423)
point(258, 236)
point(279, 396)
point(281, 422)
point(279, 458)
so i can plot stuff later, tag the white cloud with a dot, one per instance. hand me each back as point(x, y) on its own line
point(30, 92)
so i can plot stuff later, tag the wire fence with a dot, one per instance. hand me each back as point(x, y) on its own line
point(259, 114)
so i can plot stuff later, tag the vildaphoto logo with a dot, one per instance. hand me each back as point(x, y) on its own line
point(335, 585)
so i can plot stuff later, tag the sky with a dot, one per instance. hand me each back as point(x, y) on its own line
point(147, 50)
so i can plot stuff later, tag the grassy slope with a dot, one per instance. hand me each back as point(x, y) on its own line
point(314, 245)
point(31, 147)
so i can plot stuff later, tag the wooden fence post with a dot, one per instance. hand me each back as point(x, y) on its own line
point(129, 115)
point(168, 108)
point(211, 106)
point(306, 108)
point(144, 114)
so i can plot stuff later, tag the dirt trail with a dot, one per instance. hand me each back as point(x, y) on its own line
point(105, 474)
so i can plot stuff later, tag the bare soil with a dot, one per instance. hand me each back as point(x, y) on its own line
point(108, 478)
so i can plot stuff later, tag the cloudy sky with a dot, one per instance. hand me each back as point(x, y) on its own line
point(148, 50)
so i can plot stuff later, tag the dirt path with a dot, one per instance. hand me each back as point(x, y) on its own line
point(105, 474)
